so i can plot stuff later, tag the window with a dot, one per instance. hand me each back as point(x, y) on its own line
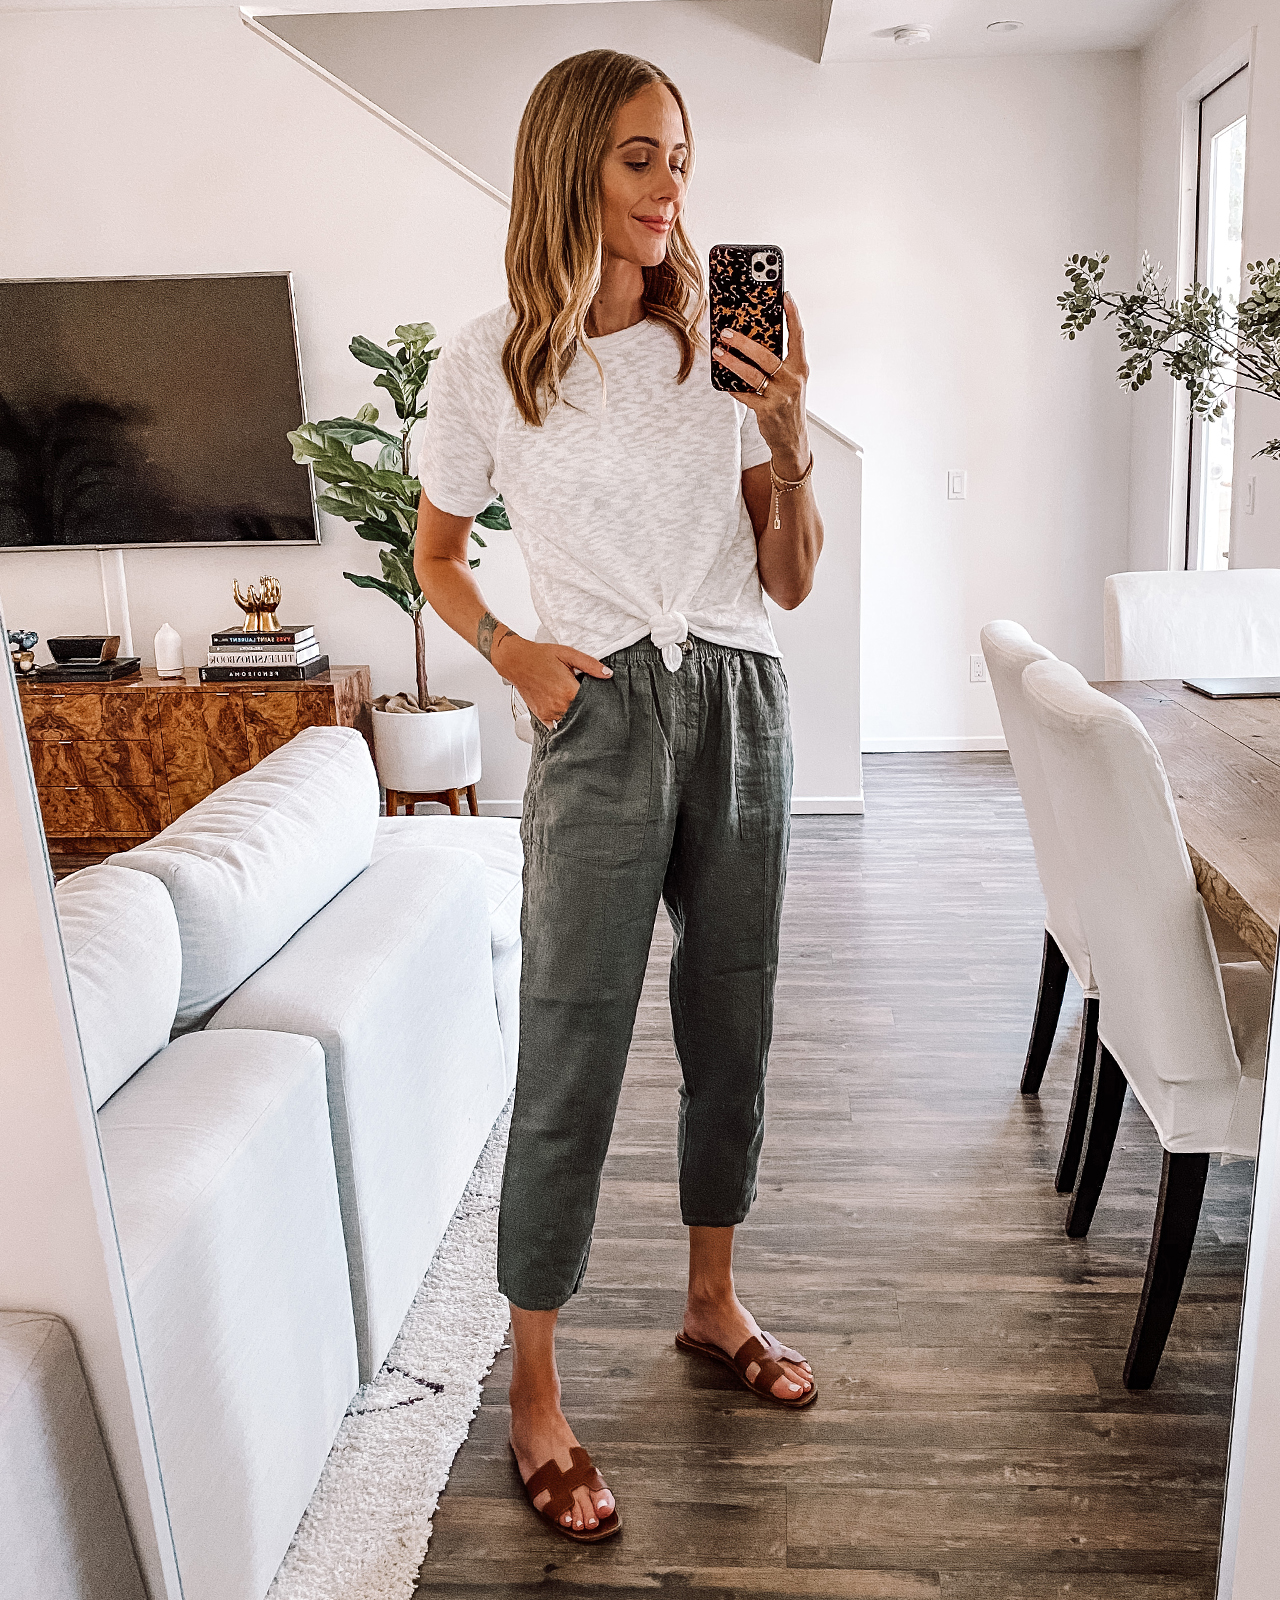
point(1219, 212)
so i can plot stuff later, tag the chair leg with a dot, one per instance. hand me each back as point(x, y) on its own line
point(1104, 1119)
point(1053, 985)
point(452, 801)
point(1182, 1182)
point(393, 802)
point(1081, 1096)
point(472, 802)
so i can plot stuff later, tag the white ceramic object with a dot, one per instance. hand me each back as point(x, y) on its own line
point(425, 752)
point(168, 652)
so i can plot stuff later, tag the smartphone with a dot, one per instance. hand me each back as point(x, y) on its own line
point(744, 285)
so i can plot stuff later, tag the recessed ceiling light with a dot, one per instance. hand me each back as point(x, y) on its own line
point(1003, 27)
point(911, 33)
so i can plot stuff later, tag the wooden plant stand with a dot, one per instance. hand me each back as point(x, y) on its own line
point(446, 797)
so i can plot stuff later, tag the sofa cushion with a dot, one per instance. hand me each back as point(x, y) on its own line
point(62, 1531)
point(220, 1163)
point(249, 864)
point(124, 959)
point(496, 840)
point(395, 978)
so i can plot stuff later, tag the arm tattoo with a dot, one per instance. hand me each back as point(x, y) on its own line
point(484, 634)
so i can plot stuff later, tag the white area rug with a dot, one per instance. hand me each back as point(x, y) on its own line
point(366, 1530)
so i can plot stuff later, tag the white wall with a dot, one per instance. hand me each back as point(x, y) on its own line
point(926, 208)
point(1190, 42)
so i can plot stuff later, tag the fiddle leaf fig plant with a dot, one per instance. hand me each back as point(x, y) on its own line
point(1207, 343)
point(380, 500)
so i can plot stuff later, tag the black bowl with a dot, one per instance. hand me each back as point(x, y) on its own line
point(84, 647)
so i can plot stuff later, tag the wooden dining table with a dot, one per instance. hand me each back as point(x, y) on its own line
point(1222, 758)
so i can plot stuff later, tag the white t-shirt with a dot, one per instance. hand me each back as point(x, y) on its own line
point(629, 514)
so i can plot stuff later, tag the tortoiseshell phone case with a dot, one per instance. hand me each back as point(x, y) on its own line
point(744, 296)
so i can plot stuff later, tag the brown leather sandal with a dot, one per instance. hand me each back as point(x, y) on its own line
point(581, 1475)
point(764, 1352)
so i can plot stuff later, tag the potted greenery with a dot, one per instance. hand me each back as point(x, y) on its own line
point(1206, 343)
point(416, 753)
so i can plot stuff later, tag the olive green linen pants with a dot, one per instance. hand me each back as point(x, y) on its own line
point(654, 785)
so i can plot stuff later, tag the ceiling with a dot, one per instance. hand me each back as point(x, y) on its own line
point(958, 27)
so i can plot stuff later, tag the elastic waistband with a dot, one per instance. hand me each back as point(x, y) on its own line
point(646, 653)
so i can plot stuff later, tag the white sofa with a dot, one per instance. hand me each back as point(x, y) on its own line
point(283, 1168)
point(62, 1530)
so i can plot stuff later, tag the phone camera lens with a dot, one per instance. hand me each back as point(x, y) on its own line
point(771, 261)
point(772, 275)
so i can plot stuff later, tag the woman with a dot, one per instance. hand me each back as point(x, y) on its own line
point(650, 509)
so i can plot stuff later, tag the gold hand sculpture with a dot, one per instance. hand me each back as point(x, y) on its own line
point(259, 609)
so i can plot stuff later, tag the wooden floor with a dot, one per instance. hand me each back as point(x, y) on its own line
point(972, 1438)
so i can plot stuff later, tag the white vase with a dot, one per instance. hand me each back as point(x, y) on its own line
point(168, 652)
point(426, 752)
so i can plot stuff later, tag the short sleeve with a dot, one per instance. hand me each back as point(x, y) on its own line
point(755, 452)
point(455, 463)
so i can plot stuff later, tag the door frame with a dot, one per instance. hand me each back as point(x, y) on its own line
point(1200, 252)
point(1232, 60)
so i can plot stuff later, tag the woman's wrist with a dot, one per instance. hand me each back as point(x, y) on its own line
point(792, 462)
point(792, 478)
point(499, 640)
point(490, 634)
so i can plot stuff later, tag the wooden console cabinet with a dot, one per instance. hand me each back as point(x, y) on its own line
point(116, 762)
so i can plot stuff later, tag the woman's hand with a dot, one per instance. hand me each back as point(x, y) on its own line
point(545, 674)
point(780, 410)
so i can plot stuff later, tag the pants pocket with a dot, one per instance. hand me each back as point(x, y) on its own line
point(595, 775)
point(762, 748)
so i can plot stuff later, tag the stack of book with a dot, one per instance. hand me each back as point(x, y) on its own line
point(291, 654)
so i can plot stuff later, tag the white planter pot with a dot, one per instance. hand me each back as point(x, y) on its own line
point(423, 753)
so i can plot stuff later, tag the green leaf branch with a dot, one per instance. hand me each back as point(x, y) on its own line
point(1208, 344)
point(381, 500)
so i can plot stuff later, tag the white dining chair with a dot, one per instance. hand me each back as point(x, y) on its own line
point(1186, 1033)
point(1192, 624)
point(1009, 649)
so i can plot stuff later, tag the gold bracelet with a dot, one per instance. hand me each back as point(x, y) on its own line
point(787, 486)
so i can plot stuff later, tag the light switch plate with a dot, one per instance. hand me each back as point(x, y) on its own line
point(957, 484)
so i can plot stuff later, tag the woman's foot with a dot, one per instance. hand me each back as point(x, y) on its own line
point(724, 1321)
point(540, 1433)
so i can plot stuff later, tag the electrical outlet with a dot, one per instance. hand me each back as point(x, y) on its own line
point(977, 667)
point(957, 484)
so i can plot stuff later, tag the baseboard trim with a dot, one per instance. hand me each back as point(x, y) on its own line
point(884, 747)
point(827, 805)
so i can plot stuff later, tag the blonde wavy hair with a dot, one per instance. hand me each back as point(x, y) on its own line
point(555, 244)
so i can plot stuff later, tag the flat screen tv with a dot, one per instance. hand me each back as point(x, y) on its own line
point(150, 411)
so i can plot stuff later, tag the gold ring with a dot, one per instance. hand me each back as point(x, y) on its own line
point(778, 368)
point(764, 384)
